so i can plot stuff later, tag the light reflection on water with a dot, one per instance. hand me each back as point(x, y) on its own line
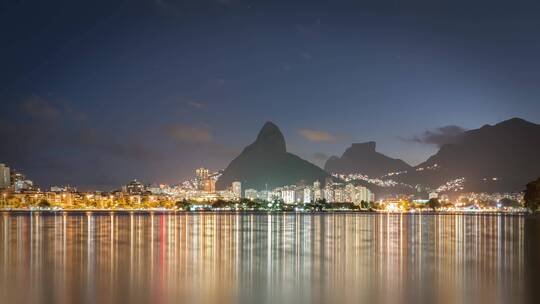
point(261, 258)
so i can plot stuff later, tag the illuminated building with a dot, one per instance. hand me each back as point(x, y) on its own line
point(202, 176)
point(328, 194)
point(5, 179)
point(288, 195)
point(308, 195)
point(251, 194)
point(202, 173)
point(237, 189)
point(23, 185)
point(134, 187)
point(209, 185)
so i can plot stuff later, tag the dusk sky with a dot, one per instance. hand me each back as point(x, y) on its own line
point(96, 93)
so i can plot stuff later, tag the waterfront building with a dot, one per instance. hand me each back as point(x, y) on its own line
point(5, 177)
point(274, 195)
point(209, 185)
point(288, 195)
point(202, 173)
point(67, 189)
point(308, 195)
point(23, 185)
point(134, 187)
point(250, 194)
point(328, 194)
point(364, 194)
point(263, 195)
point(339, 195)
point(237, 189)
point(201, 177)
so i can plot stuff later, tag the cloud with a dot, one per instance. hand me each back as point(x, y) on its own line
point(38, 107)
point(185, 133)
point(196, 104)
point(318, 136)
point(440, 136)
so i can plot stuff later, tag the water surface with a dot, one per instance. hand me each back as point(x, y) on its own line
point(261, 258)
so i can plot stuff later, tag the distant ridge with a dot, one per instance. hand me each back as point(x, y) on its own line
point(363, 158)
point(267, 164)
point(498, 158)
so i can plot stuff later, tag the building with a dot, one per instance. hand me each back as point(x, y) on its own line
point(202, 176)
point(328, 194)
point(363, 194)
point(5, 177)
point(299, 195)
point(209, 185)
point(339, 195)
point(308, 195)
point(317, 192)
point(23, 185)
point(237, 189)
point(288, 195)
point(134, 187)
point(263, 195)
point(58, 189)
point(251, 194)
point(202, 173)
point(433, 195)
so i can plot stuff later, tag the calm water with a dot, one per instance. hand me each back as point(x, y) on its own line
point(261, 258)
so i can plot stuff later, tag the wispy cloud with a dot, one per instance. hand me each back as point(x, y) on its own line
point(318, 136)
point(440, 136)
point(38, 107)
point(196, 104)
point(188, 133)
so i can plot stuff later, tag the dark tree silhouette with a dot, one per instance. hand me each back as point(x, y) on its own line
point(434, 203)
point(532, 195)
point(44, 204)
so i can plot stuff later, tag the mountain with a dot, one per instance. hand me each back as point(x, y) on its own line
point(267, 164)
point(362, 158)
point(498, 158)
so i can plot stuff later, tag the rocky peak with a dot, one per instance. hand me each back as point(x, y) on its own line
point(270, 139)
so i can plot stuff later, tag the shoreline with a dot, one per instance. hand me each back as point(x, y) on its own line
point(250, 212)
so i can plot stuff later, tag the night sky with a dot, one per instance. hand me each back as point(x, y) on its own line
point(95, 93)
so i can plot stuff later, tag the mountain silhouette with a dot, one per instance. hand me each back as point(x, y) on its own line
point(498, 158)
point(266, 164)
point(362, 158)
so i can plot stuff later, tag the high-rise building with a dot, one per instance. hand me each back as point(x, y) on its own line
point(209, 185)
point(308, 195)
point(263, 195)
point(5, 178)
point(328, 194)
point(202, 173)
point(23, 185)
point(134, 187)
point(339, 195)
point(251, 194)
point(363, 194)
point(237, 189)
point(288, 195)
